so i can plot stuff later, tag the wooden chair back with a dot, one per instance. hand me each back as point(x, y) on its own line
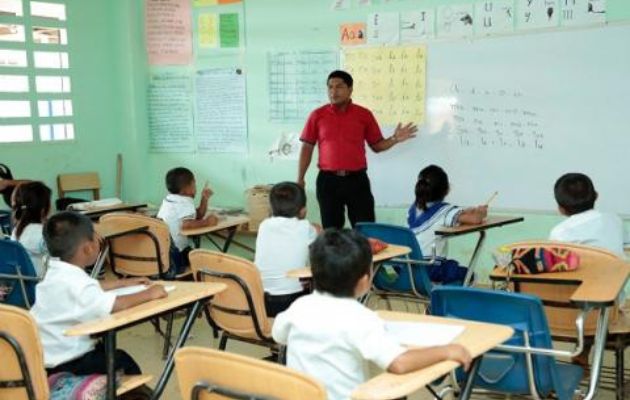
point(237, 374)
point(139, 254)
point(561, 315)
point(87, 181)
point(240, 309)
point(19, 339)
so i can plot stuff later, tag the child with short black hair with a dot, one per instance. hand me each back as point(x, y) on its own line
point(429, 212)
point(576, 196)
point(67, 296)
point(329, 333)
point(179, 212)
point(282, 245)
point(30, 204)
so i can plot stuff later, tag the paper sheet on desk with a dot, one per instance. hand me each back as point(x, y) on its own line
point(123, 291)
point(423, 334)
point(89, 205)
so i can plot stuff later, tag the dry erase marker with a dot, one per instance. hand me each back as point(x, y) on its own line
point(492, 198)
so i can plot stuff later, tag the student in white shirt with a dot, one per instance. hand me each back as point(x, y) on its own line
point(179, 212)
point(329, 333)
point(576, 196)
point(429, 212)
point(68, 296)
point(282, 245)
point(30, 203)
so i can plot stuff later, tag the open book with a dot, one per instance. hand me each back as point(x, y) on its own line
point(423, 334)
point(123, 291)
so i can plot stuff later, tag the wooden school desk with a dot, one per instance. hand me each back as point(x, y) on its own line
point(391, 251)
point(489, 223)
point(110, 230)
point(193, 295)
point(229, 223)
point(477, 338)
point(599, 287)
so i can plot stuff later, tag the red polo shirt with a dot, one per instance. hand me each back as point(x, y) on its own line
point(341, 136)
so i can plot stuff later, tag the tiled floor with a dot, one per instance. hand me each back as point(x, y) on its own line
point(145, 345)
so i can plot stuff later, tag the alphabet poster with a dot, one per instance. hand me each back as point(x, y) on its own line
point(352, 34)
point(390, 81)
point(494, 17)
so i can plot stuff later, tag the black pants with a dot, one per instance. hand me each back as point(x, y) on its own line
point(94, 363)
point(335, 193)
point(276, 304)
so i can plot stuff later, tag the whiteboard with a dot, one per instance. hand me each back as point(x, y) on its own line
point(512, 114)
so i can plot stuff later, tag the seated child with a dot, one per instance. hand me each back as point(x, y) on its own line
point(31, 205)
point(179, 212)
point(329, 333)
point(282, 245)
point(429, 212)
point(68, 296)
point(576, 198)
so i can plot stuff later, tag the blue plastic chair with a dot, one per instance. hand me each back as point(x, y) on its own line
point(17, 275)
point(409, 278)
point(504, 371)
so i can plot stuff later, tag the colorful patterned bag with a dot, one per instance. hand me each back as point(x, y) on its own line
point(66, 386)
point(538, 260)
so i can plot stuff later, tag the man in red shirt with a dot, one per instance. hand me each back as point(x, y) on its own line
point(340, 130)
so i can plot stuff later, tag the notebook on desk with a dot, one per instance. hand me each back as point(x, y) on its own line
point(423, 334)
point(127, 290)
point(96, 204)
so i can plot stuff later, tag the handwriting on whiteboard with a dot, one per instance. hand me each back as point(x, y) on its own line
point(490, 117)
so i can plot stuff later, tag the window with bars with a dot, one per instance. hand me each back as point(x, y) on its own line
point(35, 83)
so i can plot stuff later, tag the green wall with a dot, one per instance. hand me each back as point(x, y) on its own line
point(110, 74)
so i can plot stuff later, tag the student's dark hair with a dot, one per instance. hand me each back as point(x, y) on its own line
point(31, 205)
point(5, 173)
point(287, 199)
point(575, 193)
point(177, 179)
point(432, 185)
point(339, 259)
point(64, 232)
point(343, 75)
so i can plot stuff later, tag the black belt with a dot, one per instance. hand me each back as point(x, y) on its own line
point(344, 172)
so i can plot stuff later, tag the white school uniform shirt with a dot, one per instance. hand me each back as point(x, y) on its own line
point(66, 297)
point(329, 338)
point(174, 210)
point(33, 241)
point(425, 234)
point(282, 245)
point(593, 228)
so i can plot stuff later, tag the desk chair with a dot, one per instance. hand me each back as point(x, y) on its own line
point(209, 374)
point(240, 309)
point(145, 253)
point(412, 281)
point(88, 181)
point(17, 275)
point(525, 364)
point(562, 314)
point(22, 374)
